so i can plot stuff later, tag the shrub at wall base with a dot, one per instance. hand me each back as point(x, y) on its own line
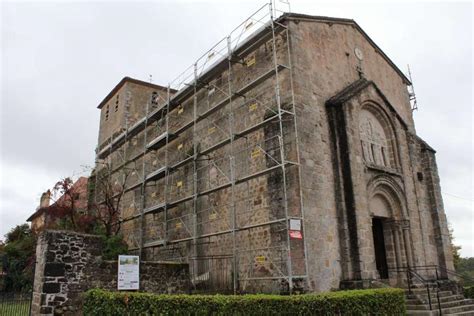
point(386, 301)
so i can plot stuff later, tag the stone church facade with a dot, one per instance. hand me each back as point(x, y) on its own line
point(352, 171)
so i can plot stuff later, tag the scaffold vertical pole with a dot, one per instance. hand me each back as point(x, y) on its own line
point(232, 168)
point(166, 180)
point(195, 176)
point(143, 186)
point(282, 150)
point(298, 159)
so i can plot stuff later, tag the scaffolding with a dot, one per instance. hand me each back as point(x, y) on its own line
point(215, 176)
point(411, 92)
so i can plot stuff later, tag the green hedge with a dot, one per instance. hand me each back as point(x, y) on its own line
point(385, 301)
point(469, 292)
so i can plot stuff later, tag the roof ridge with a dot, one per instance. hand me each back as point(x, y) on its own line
point(132, 80)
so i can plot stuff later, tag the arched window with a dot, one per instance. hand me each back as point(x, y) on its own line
point(375, 140)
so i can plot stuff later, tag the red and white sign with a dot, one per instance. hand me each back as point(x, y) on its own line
point(296, 234)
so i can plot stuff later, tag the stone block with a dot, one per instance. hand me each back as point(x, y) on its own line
point(45, 310)
point(51, 288)
point(54, 269)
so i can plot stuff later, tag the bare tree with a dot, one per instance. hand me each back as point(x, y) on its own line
point(110, 187)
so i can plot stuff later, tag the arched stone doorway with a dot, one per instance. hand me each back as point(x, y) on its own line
point(381, 215)
point(390, 232)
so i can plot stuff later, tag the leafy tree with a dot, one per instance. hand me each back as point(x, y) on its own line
point(456, 256)
point(65, 205)
point(65, 211)
point(18, 257)
point(466, 270)
point(454, 248)
point(113, 246)
point(464, 266)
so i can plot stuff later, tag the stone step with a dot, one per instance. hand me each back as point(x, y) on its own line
point(446, 300)
point(423, 290)
point(434, 295)
point(454, 303)
point(421, 313)
point(442, 300)
point(467, 313)
point(434, 305)
point(417, 299)
point(418, 289)
point(459, 309)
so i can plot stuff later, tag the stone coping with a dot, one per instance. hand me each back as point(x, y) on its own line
point(68, 232)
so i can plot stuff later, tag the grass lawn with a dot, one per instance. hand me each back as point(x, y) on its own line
point(14, 308)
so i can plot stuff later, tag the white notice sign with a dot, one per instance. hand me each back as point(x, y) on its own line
point(295, 224)
point(128, 272)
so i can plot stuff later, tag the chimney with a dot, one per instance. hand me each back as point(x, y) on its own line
point(44, 202)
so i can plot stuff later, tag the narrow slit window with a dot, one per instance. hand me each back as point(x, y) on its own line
point(384, 157)
point(364, 150)
point(154, 98)
point(372, 153)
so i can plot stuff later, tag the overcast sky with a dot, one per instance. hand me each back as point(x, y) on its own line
point(60, 59)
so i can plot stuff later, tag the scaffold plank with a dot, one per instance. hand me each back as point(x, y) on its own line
point(154, 243)
point(261, 36)
point(137, 127)
point(260, 173)
point(157, 174)
point(160, 141)
point(133, 186)
point(181, 163)
point(219, 187)
point(104, 152)
point(184, 127)
point(216, 146)
point(177, 202)
point(130, 218)
point(154, 208)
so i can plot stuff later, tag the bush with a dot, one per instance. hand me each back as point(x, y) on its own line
point(385, 301)
point(17, 258)
point(469, 292)
point(113, 246)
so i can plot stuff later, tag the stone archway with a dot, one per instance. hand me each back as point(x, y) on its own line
point(390, 230)
point(381, 212)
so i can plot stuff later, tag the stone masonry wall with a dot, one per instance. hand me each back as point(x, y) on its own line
point(69, 264)
point(324, 63)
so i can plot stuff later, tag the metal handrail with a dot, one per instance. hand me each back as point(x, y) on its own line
point(435, 267)
point(461, 276)
point(412, 272)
